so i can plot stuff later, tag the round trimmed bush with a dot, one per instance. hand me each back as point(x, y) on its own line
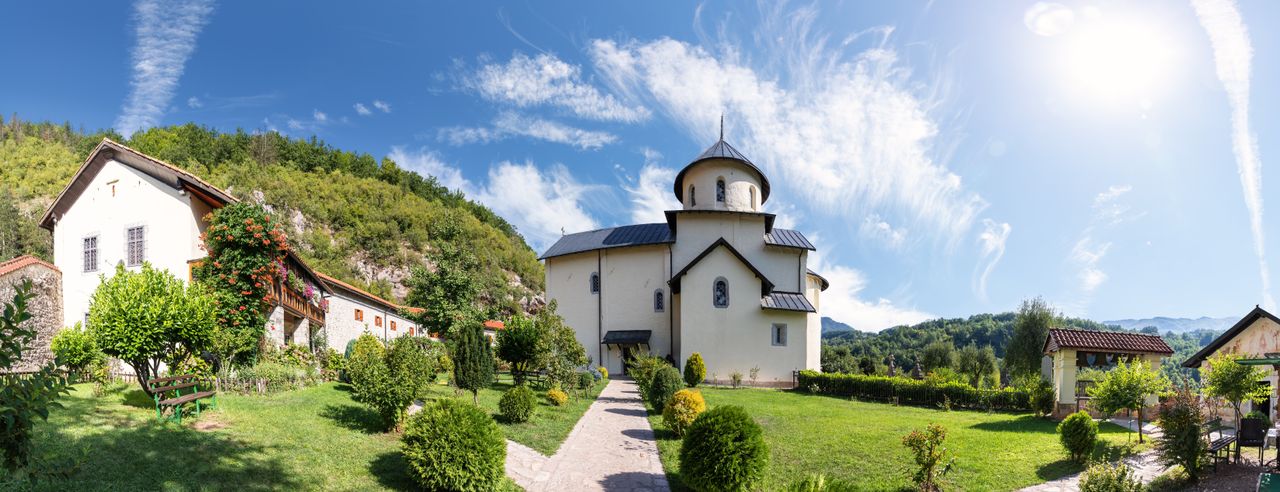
point(695, 370)
point(557, 397)
point(724, 449)
point(682, 409)
point(666, 382)
point(517, 404)
point(1078, 433)
point(454, 445)
point(604, 372)
point(585, 380)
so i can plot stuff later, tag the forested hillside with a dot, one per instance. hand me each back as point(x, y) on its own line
point(352, 216)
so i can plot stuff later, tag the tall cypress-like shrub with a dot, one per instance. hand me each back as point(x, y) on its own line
point(695, 370)
point(472, 359)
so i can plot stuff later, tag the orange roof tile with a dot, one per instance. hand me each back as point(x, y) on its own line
point(22, 262)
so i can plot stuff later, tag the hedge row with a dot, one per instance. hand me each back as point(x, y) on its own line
point(913, 392)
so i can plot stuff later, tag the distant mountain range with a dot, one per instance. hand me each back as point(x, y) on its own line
point(1166, 325)
point(832, 326)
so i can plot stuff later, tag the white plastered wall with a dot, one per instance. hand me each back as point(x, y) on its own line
point(785, 267)
point(739, 180)
point(568, 283)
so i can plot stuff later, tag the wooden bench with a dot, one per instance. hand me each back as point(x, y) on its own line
point(176, 391)
point(1219, 448)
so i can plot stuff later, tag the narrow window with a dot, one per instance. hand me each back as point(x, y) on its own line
point(359, 315)
point(658, 301)
point(753, 198)
point(720, 190)
point(595, 283)
point(410, 331)
point(135, 245)
point(693, 197)
point(91, 254)
point(377, 321)
point(393, 326)
point(780, 334)
point(720, 293)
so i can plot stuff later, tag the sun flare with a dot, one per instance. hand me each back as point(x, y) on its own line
point(1118, 59)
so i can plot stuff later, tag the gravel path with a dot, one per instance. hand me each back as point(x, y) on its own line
point(611, 448)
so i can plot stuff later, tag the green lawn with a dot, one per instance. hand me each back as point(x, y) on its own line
point(861, 442)
point(549, 426)
point(311, 439)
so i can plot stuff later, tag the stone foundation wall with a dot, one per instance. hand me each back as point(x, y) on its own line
point(45, 309)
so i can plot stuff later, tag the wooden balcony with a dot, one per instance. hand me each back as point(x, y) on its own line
point(297, 305)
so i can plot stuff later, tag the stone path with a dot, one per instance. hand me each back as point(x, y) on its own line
point(611, 448)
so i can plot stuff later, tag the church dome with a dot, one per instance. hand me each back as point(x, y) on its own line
point(721, 150)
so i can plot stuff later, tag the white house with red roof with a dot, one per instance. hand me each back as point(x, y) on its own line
point(716, 278)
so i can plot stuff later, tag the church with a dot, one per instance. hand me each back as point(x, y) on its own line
point(716, 278)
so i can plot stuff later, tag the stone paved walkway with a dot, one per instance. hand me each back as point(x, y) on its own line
point(611, 448)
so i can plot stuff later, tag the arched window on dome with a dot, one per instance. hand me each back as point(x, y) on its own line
point(659, 301)
point(720, 293)
point(693, 197)
point(720, 190)
point(753, 197)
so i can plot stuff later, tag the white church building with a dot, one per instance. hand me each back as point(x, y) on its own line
point(716, 278)
point(125, 207)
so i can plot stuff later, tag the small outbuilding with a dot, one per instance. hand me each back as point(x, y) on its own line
point(1073, 350)
point(45, 308)
point(1256, 337)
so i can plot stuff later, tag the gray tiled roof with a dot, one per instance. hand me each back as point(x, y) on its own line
point(613, 237)
point(787, 301)
point(789, 238)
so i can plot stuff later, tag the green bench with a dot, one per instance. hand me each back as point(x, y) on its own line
point(176, 391)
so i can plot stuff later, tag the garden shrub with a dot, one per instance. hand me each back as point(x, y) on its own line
point(682, 409)
point(1254, 414)
point(1039, 394)
point(724, 449)
point(365, 350)
point(933, 461)
point(1105, 477)
point(820, 483)
point(643, 368)
point(1079, 433)
point(517, 404)
point(1182, 425)
point(666, 382)
point(557, 397)
point(389, 380)
point(332, 364)
point(74, 348)
point(695, 370)
point(454, 445)
point(911, 392)
point(275, 376)
point(604, 372)
point(472, 359)
point(585, 380)
point(735, 378)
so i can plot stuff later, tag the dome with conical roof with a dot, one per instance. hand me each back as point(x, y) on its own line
point(720, 152)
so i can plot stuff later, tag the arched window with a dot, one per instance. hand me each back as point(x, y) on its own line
point(595, 283)
point(693, 197)
point(753, 198)
point(720, 293)
point(720, 190)
point(659, 302)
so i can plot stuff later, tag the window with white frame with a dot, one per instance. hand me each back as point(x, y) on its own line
point(779, 334)
point(595, 283)
point(91, 254)
point(720, 293)
point(135, 245)
point(659, 301)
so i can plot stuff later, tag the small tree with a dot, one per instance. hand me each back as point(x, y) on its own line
point(932, 458)
point(22, 399)
point(561, 353)
point(472, 359)
point(1182, 425)
point(518, 344)
point(694, 370)
point(978, 365)
point(867, 366)
point(1127, 386)
point(1233, 382)
point(149, 317)
point(1078, 433)
point(938, 355)
point(1030, 329)
point(446, 292)
point(74, 348)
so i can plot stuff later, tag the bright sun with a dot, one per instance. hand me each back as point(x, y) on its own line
point(1117, 60)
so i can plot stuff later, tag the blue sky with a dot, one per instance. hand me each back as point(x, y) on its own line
point(946, 159)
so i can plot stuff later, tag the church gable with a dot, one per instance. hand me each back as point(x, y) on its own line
point(721, 244)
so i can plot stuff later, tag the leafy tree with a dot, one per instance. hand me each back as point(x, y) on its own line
point(1181, 441)
point(149, 317)
point(979, 365)
point(1127, 386)
point(938, 355)
point(519, 344)
point(1030, 329)
point(561, 352)
point(22, 399)
point(1233, 382)
point(838, 359)
point(447, 293)
point(19, 234)
point(388, 381)
point(472, 359)
point(246, 256)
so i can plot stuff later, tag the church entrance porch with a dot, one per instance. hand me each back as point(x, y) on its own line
point(629, 343)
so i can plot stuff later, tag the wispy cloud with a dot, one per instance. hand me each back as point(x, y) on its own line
point(362, 110)
point(1048, 18)
point(650, 193)
point(166, 37)
point(1109, 211)
point(429, 163)
point(991, 243)
point(843, 300)
point(509, 124)
point(1233, 56)
point(194, 103)
point(876, 228)
point(547, 80)
point(382, 106)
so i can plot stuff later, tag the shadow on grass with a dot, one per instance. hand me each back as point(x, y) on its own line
point(354, 417)
point(1103, 452)
point(152, 456)
point(137, 398)
point(1025, 423)
point(344, 387)
point(392, 471)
